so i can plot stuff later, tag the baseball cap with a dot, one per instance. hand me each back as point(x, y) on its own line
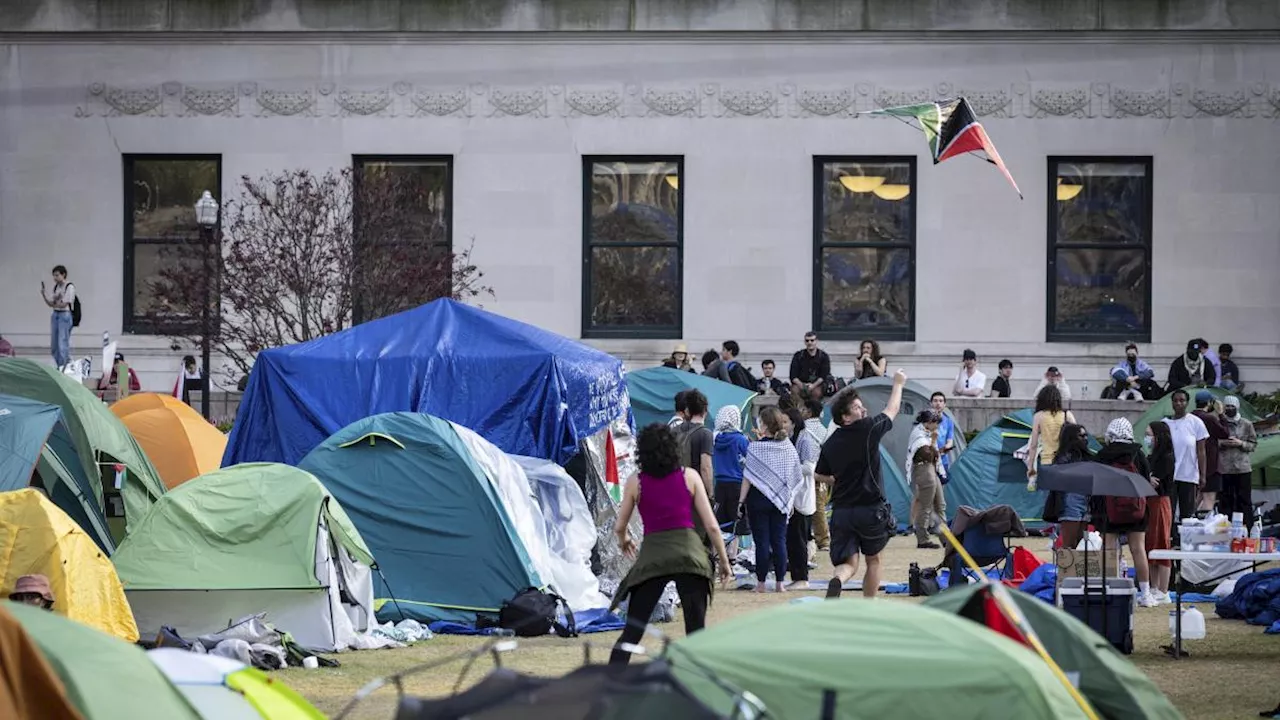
point(1204, 397)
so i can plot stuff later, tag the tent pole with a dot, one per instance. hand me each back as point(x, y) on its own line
point(1016, 617)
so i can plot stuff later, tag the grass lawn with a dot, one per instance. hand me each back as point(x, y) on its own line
point(1233, 673)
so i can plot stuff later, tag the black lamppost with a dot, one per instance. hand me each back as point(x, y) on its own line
point(207, 218)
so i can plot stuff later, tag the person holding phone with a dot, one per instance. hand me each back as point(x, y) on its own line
point(60, 301)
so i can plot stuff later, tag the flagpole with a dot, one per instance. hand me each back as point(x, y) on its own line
point(1015, 615)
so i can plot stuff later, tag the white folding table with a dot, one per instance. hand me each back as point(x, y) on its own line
point(1177, 556)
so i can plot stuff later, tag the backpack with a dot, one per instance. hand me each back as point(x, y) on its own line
point(532, 613)
point(1125, 510)
point(684, 433)
point(922, 581)
point(739, 375)
point(75, 308)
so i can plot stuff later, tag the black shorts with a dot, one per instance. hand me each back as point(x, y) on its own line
point(859, 530)
point(1213, 484)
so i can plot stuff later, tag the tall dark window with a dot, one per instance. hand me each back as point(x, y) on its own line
point(864, 237)
point(1099, 269)
point(403, 232)
point(160, 230)
point(633, 240)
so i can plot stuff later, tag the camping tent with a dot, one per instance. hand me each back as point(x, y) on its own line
point(526, 390)
point(98, 436)
point(104, 677)
point(1111, 684)
point(915, 397)
point(1163, 408)
point(987, 473)
point(36, 450)
point(38, 538)
point(451, 518)
point(1266, 462)
point(180, 443)
point(226, 689)
point(873, 659)
point(248, 539)
point(138, 402)
point(653, 394)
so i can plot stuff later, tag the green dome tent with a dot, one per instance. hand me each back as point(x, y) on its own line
point(653, 394)
point(879, 658)
point(258, 537)
point(1112, 684)
point(987, 473)
point(450, 517)
point(99, 438)
point(105, 678)
point(1163, 408)
point(38, 447)
point(1266, 462)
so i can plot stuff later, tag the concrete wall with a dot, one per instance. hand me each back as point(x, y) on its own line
point(634, 15)
point(748, 114)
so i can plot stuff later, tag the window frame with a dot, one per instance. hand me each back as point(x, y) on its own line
point(907, 334)
point(1053, 162)
point(630, 332)
point(130, 323)
point(357, 165)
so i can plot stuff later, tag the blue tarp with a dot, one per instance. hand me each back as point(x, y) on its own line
point(526, 390)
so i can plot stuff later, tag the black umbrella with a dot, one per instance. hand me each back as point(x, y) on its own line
point(1092, 478)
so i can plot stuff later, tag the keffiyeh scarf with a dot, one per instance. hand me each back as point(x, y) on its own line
point(773, 467)
point(1120, 430)
point(728, 419)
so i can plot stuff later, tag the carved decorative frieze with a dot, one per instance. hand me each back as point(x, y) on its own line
point(785, 99)
point(593, 103)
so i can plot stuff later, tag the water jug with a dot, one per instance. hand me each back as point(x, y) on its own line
point(1192, 623)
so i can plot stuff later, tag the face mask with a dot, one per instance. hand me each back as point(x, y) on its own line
point(1133, 358)
point(1231, 412)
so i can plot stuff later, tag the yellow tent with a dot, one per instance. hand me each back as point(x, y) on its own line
point(36, 537)
point(177, 440)
point(150, 401)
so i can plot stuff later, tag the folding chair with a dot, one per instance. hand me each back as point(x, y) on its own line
point(991, 551)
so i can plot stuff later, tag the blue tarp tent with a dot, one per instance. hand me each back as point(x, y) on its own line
point(653, 394)
point(527, 390)
point(444, 538)
point(987, 473)
point(35, 444)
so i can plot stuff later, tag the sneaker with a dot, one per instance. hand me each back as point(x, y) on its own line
point(1163, 598)
point(813, 565)
point(927, 545)
point(1147, 600)
point(833, 588)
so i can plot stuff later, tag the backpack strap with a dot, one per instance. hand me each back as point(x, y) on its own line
point(569, 629)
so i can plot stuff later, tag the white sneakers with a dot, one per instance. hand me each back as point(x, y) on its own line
point(1148, 600)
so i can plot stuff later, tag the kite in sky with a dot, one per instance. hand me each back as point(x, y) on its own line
point(952, 128)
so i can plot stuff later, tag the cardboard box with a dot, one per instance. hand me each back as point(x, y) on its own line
point(1072, 563)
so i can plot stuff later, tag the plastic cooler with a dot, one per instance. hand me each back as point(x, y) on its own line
point(1109, 614)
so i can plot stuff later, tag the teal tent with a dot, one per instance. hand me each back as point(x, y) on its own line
point(874, 393)
point(445, 538)
point(987, 473)
point(36, 449)
point(653, 394)
point(897, 487)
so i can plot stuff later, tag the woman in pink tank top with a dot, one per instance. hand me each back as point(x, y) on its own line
point(668, 496)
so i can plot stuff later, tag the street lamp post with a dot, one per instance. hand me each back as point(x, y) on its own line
point(207, 219)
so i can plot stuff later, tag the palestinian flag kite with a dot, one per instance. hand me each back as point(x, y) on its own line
point(952, 129)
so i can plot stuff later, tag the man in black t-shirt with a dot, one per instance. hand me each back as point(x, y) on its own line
point(861, 519)
point(697, 442)
point(1000, 387)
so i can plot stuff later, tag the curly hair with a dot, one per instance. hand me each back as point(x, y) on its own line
point(843, 404)
point(928, 416)
point(657, 451)
point(1049, 399)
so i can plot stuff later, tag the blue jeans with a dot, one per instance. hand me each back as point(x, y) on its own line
point(769, 535)
point(60, 336)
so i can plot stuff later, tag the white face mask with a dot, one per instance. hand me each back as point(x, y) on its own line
point(1146, 442)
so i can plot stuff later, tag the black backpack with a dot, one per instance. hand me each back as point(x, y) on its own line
point(532, 613)
point(75, 308)
point(739, 375)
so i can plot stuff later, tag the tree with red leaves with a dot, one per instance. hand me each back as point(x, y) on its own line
point(304, 255)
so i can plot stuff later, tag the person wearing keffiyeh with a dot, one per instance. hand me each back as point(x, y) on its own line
point(726, 461)
point(769, 482)
point(800, 525)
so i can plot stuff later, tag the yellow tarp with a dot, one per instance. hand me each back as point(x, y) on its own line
point(36, 537)
point(178, 441)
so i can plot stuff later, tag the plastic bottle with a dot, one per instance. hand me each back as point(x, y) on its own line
point(1255, 537)
point(1192, 623)
point(1238, 532)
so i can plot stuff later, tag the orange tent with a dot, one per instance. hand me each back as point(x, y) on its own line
point(179, 442)
point(150, 401)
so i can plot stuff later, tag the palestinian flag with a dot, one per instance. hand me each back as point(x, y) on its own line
point(951, 128)
point(611, 480)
